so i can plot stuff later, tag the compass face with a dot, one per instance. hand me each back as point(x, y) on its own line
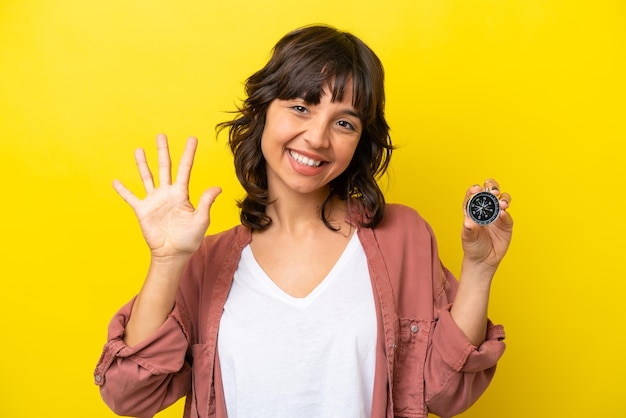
point(483, 208)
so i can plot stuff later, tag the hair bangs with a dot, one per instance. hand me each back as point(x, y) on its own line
point(309, 71)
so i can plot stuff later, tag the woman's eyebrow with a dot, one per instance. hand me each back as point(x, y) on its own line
point(351, 112)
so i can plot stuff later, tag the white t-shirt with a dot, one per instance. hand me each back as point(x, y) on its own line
point(286, 357)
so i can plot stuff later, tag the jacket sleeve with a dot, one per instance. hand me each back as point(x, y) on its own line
point(457, 372)
point(143, 379)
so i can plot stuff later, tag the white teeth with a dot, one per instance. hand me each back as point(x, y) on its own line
point(304, 160)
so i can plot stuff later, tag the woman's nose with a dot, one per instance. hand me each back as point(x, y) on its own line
point(317, 133)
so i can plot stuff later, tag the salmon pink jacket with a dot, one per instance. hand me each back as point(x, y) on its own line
point(424, 362)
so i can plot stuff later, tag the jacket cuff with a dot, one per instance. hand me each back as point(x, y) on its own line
point(459, 353)
point(161, 353)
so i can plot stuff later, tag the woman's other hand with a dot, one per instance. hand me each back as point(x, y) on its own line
point(486, 245)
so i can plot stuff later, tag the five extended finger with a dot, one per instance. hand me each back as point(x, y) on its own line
point(144, 170)
point(125, 194)
point(205, 203)
point(165, 163)
point(186, 162)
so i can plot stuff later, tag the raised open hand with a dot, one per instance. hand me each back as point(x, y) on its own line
point(170, 224)
point(487, 244)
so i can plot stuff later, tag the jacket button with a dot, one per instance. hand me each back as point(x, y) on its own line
point(414, 328)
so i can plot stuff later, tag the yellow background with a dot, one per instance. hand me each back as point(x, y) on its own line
point(531, 92)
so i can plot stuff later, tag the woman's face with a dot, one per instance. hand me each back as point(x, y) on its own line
point(307, 145)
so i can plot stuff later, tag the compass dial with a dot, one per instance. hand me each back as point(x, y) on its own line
point(483, 208)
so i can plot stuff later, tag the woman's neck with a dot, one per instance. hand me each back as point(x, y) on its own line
point(301, 215)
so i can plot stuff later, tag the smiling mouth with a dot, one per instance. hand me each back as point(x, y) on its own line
point(305, 160)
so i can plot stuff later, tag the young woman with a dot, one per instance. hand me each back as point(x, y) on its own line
point(325, 301)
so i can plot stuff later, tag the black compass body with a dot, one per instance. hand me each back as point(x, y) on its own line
point(483, 208)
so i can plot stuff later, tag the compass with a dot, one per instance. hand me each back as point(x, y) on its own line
point(483, 208)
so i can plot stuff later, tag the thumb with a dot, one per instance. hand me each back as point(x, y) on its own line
point(206, 201)
point(470, 230)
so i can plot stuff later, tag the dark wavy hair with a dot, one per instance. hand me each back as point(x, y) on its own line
point(302, 64)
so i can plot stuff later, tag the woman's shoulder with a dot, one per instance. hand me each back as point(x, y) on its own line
point(220, 242)
point(399, 214)
point(229, 233)
point(401, 222)
point(216, 248)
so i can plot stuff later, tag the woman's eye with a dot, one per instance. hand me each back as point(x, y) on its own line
point(300, 109)
point(346, 124)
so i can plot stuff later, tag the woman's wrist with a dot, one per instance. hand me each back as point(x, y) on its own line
point(477, 272)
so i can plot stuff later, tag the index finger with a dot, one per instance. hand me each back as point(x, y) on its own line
point(491, 185)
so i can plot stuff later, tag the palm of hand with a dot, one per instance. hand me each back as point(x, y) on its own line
point(170, 224)
point(487, 244)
